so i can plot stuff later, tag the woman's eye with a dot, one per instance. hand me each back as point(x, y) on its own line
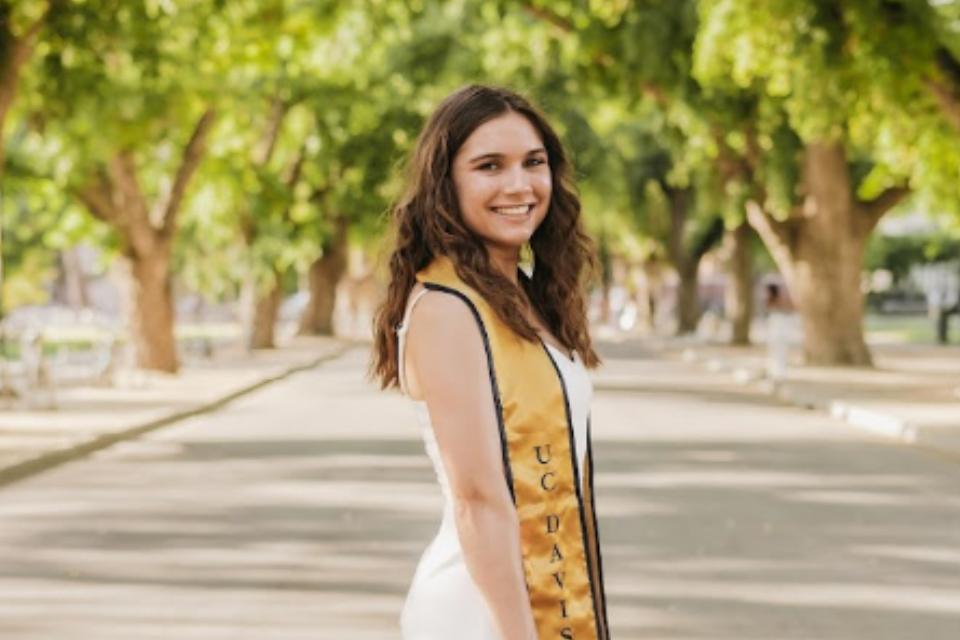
point(536, 161)
point(487, 166)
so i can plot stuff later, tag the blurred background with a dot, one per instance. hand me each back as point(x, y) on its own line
point(177, 176)
point(193, 204)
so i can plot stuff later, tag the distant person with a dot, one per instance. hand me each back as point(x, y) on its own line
point(778, 332)
point(496, 364)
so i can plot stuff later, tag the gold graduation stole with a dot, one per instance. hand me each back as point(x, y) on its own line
point(558, 526)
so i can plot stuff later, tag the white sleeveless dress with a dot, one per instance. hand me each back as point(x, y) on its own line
point(443, 602)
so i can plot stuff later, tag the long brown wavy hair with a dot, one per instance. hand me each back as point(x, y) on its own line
point(428, 222)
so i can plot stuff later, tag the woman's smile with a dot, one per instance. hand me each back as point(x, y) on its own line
point(503, 169)
point(514, 211)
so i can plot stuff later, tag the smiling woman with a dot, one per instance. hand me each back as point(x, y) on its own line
point(503, 185)
point(495, 362)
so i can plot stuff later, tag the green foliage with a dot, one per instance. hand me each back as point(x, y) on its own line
point(38, 220)
point(857, 71)
point(898, 254)
point(649, 96)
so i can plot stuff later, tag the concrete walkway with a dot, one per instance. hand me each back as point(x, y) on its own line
point(912, 394)
point(300, 511)
point(88, 418)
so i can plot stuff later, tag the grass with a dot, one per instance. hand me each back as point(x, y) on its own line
point(904, 329)
point(85, 338)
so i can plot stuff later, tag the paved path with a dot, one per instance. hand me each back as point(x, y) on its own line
point(300, 511)
point(87, 418)
point(912, 394)
point(729, 516)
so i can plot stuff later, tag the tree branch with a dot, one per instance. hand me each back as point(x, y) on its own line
point(34, 28)
point(278, 110)
point(779, 235)
point(17, 53)
point(292, 176)
point(947, 100)
point(566, 27)
point(732, 165)
point(946, 86)
point(542, 13)
point(95, 195)
point(871, 211)
point(130, 213)
point(656, 93)
point(192, 154)
point(126, 187)
point(707, 239)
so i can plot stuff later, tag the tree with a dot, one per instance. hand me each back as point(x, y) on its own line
point(20, 27)
point(843, 88)
point(128, 91)
point(699, 185)
point(273, 144)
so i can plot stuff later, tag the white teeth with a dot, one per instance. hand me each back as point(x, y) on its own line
point(514, 211)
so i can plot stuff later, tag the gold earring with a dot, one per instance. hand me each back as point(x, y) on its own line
point(526, 256)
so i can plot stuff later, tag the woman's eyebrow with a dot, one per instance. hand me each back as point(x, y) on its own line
point(497, 156)
point(486, 156)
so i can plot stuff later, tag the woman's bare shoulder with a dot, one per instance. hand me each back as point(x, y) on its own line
point(443, 342)
point(441, 315)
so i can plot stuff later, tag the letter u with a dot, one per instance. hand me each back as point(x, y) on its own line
point(539, 457)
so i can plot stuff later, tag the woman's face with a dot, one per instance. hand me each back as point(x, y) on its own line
point(503, 181)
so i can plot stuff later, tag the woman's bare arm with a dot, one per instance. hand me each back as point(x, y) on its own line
point(447, 355)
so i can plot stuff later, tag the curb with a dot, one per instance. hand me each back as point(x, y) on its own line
point(49, 459)
point(876, 422)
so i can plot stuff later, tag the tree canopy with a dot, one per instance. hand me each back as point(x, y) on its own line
point(221, 143)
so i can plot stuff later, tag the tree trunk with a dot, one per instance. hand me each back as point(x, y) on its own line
point(73, 279)
point(826, 288)
point(685, 250)
point(827, 260)
point(739, 292)
point(820, 253)
point(153, 312)
point(688, 298)
point(687, 309)
point(322, 278)
point(15, 51)
point(649, 293)
point(112, 193)
point(263, 317)
point(263, 303)
point(606, 279)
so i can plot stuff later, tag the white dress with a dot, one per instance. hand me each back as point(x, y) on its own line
point(443, 602)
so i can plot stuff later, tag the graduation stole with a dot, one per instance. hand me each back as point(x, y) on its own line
point(558, 526)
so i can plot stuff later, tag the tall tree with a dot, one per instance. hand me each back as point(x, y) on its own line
point(20, 27)
point(844, 92)
point(614, 42)
point(128, 90)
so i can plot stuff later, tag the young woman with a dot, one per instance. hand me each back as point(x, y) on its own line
point(495, 362)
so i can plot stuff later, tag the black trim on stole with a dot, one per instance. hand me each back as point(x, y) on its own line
point(575, 463)
point(596, 530)
point(504, 450)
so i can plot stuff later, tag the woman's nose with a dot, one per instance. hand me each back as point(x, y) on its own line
point(516, 180)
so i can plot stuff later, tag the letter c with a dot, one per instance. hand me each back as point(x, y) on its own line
point(543, 481)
